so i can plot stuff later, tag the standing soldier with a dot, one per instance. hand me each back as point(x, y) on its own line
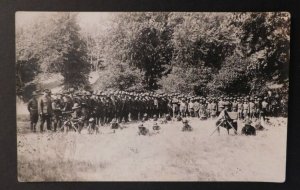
point(234, 105)
point(156, 105)
point(240, 109)
point(213, 108)
point(57, 113)
point(226, 104)
point(257, 107)
point(183, 107)
point(245, 109)
point(33, 110)
point(265, 108)
point(175, 106)
point(251, 108)
point(191, 107)
point(196, 107)
point(99, 109)
point(46, 110)
point(220, 105)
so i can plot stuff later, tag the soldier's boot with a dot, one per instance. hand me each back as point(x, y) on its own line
point(34, 127)
point(31, 126)
point(42, 127)
point(54, 126)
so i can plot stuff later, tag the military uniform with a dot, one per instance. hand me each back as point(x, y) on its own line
point(57, 114)
point(34, 114)
point(46, 111)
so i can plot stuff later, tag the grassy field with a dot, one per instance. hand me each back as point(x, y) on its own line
point(170, 155)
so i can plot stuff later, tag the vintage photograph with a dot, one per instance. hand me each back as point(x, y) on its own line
point(152, 96)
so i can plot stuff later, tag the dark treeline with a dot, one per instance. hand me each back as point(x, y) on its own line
point(198, 53)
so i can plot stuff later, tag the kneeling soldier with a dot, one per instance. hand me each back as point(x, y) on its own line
point(179, 118)
point(248, 129)
point(92, 127)
point(114, 124)
point(143, 130)
point(186, 126)
point(168, 117)
point(156, 127)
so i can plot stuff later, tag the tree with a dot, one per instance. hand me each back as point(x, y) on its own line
point(65, 51)
point(56, 45)
point(119, 77)
point(143, 40)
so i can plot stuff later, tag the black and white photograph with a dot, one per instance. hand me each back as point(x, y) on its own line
point(152, 96)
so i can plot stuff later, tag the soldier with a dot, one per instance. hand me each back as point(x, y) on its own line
point(175, 106)
point(93, 106)
point(57, 113)
point(186, 126)
point(226, 104)
point(156, 105)
point(257, 102)
point(202, 110)
point(252, 108)
point(45, 105)
point(67, 102)
point(77, 117)
point(240, 108)
point(168, 117)
point(99, 109)
point(191, 107)
point(183, 107)
point(179, 118)
point(92, 127)
point(248, 129)
point(245, 109)
point(169, 104)
point(143, 130)
point(220, 105)
point(114, 124)
point(213, 108)
point(156, 127)
point(33, 110)
point(155, 117)
point(196, 107)
point(208, 107)
point(265, 108)
point(234, 105)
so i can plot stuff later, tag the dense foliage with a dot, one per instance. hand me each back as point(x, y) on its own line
point(199, 53)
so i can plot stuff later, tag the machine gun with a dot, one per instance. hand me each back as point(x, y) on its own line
point(69, 122)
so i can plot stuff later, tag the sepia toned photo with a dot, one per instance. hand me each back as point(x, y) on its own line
point(152, 96)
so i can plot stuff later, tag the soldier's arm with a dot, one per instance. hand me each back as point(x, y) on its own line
point(29, 105)
point(41, 105)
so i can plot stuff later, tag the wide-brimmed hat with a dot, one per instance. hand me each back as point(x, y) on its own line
point(34, 93)
point(185, 121)
point(248, 121)
point(75, 106)
point(91, 120)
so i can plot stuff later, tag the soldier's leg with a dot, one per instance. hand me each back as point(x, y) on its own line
point(126, 116)
point(31, 122)
point(42, 123)
point(34, 127)
point(55, 122)
point(48, 120)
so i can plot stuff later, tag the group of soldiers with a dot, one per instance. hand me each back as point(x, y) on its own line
point(104, 107)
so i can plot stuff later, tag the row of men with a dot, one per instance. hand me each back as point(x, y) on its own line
point(125, 106)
